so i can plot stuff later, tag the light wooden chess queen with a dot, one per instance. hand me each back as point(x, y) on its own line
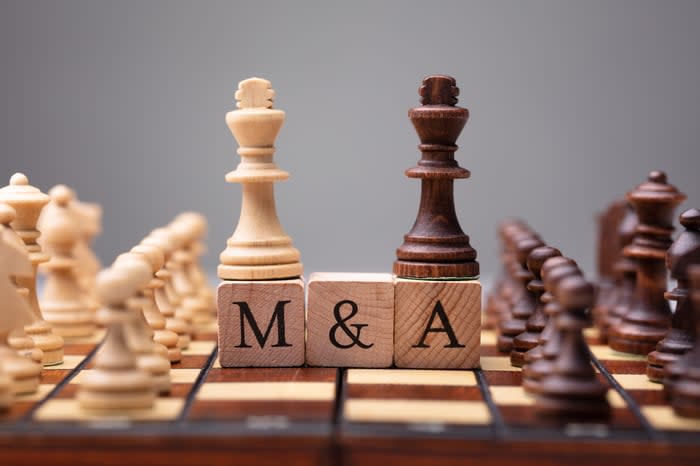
point(259, 248)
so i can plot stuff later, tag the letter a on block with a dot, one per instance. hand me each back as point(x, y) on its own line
point(437, 323)
point(261, 323)
point(446, 327)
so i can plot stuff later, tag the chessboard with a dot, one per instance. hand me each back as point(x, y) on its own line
point(306, 415)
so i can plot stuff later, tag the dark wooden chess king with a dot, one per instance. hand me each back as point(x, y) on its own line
point(436, 246)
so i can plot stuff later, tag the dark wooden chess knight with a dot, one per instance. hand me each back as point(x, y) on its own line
point(436, 246)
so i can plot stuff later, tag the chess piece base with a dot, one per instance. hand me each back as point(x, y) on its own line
point(437, 271)
point(635, 338)
point(47, 341)
point(260, 272)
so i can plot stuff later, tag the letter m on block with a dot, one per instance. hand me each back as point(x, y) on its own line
point(248, 320)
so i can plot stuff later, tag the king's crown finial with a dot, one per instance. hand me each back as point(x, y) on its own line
point(255, 93)
point(439, 90)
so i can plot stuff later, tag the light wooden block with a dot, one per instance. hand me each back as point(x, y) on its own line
point(350, 320)
point(437, 324)
point(261, 323)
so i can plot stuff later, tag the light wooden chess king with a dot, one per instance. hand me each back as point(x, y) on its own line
point(259, 248)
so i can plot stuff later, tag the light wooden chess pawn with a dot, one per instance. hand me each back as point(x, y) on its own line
point(198, 225)
point(155, 319)
point(14, 262)
point(64, 302)
point(182, 277)
point(150, 356)
point(164, 295)
point(117, 384)
point(259, 249)
point(19, 340)
point(175, 287)
point(28, 202)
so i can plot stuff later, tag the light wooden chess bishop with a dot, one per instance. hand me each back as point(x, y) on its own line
point(259, 248)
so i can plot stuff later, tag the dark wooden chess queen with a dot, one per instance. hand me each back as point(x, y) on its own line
point(436, 246)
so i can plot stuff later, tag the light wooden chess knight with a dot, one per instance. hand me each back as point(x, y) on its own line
point(259, 248)
point(28, 203)
point(17, 373)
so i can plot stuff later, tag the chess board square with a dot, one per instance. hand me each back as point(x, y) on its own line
point(663, 417)
point(605, 353)
point(70, 361)
point(511, 396)
point(411, 377)
point(497, 363)
point(417, 411)
point(637, 382)
point(69, 410)
point(271, 391)
point(185, 376)
point(488, 338)
point(199, 347)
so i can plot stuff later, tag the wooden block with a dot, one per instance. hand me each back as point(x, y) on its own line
point(437, 324)
point(350, 320)
point(261, 323)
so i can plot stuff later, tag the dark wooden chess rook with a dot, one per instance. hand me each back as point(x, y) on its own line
point(529, 339)
point(649, 316)
point(436, 246)
point(685, 391)
point(572, 390)
point(683, 252)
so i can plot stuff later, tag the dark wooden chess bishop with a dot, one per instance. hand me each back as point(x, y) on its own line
point(436, 246)
point(649, 316)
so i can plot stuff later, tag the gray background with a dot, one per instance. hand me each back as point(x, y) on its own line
point(572, 104)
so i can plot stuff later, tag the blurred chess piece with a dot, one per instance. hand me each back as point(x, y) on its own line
point(64, 302)
point(18, 339)
point(28, 202)
point(24, 374)
point(117, 384)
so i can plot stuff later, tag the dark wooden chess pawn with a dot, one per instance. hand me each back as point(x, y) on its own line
point(539, 361)
point(685, 391)
point(499, 304)
point(547, 268)
point(608, 252)
point(625, 273)
point(649, 316)
point(436, 246)
point(685, 251)
point(525, 305)
point(537, 321)
point(503, 286)
point(572, 390)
